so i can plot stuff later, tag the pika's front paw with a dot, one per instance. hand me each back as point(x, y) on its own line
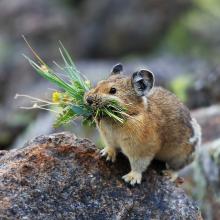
point(109, 153)
point(133, 178)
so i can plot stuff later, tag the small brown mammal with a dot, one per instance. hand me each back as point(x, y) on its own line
point(159, 126)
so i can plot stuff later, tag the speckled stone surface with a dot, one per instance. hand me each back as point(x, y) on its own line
point(63, 177)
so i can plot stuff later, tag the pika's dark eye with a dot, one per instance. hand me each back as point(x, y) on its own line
point(112, 90)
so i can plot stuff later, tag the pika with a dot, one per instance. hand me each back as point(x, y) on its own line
point(159, 126)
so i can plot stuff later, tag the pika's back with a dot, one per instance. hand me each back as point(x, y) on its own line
point(174, 120)
point(167, 103)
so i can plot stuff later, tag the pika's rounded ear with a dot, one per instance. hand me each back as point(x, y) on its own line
point(117, 69)
point(142, 82)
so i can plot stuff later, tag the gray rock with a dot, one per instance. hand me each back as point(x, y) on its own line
point(202, 177)
point(92, 28)
point(205, 90)
point(115, 28)
point(208, 118)
point(62, 177)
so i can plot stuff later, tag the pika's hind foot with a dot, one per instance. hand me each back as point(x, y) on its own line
point(179, 181)
point(173, 177)
point(109, 153)
point(133, 178)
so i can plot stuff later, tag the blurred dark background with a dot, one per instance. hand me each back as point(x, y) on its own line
point(177, 39)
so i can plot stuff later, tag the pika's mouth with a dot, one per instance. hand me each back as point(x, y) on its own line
point(103, 107)
point(93, 104)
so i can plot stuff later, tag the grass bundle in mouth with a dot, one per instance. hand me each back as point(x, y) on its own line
point(69, 102)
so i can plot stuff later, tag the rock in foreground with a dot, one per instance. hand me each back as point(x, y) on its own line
point(62, 177)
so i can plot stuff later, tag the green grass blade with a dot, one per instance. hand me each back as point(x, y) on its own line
point(115, 117)
point(72, 71)
point(68, 56)
point(65, 117)
point(53, 78)
point(72, 100)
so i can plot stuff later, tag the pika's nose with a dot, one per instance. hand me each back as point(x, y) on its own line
point(89, 100)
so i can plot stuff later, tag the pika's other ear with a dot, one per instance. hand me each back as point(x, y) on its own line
point(142, 82)
point(117, 69)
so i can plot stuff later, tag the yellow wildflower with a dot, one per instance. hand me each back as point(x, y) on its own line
point(56, 96)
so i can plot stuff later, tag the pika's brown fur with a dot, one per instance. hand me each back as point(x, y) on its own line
point(159, 126)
